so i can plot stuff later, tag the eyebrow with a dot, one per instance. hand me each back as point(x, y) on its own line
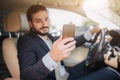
point(37, 19)
point(40, 18)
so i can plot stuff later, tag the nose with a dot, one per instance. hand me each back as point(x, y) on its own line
point(44, 23)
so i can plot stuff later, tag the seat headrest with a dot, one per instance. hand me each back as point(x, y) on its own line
point(16, 21)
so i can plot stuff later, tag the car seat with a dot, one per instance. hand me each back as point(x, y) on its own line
point(14, 22)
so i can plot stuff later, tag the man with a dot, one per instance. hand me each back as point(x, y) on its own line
point(38, 57)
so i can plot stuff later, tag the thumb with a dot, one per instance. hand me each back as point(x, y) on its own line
point(59, 39)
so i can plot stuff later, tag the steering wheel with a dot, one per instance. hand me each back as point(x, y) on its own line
point(97, 49)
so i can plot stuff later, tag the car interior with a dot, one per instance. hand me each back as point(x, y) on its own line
point(13, 24)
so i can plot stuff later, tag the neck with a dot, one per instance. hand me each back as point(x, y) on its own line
point(45, 37)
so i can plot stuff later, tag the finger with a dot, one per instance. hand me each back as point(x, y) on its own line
point(66, 40)
point(69, 44)
point(115, 51)
point(103, 27)
point(69, 49)
point(112, 59)
point(108, 54)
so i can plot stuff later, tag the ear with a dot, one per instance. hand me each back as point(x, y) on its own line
point(30, 24)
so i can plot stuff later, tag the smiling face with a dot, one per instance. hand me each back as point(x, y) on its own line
point(39, 23)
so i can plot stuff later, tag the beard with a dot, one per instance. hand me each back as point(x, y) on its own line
point(42, 34)
point(38, 31)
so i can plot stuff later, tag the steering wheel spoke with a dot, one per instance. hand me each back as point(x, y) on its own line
point(97, 49)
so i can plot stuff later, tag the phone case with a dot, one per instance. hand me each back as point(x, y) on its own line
point(68, 30)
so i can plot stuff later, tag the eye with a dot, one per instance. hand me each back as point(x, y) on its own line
point(38, 21)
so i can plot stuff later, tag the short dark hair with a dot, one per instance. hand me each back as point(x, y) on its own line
point(34, 9)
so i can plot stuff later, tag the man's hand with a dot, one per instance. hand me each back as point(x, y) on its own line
point(95, 30)
point(111, 61)
point(62, 48)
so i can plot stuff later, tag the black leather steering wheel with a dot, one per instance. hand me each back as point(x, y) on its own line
point(96, 49)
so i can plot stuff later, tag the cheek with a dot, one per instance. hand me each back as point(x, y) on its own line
point(37, 26)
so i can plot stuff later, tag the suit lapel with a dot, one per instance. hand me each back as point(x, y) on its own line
point(39, 41)
point(42, 43)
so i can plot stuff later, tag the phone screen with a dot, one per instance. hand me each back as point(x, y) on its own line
point(68, 30)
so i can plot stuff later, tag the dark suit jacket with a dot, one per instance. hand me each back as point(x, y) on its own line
point(31, 49)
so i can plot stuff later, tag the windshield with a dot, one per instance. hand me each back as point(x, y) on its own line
point(106, 14)
point(62, 17)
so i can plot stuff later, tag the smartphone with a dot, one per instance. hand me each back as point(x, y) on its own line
point(68, 30)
